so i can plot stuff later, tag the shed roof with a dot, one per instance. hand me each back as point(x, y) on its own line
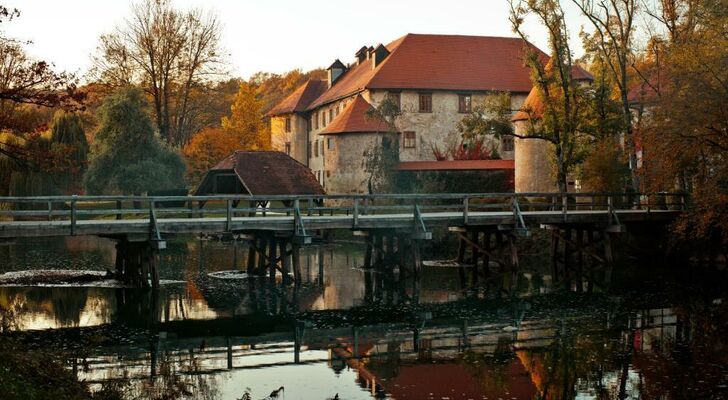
point(354, 119)
point(267, 173)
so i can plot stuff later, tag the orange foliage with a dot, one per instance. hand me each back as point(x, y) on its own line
point(206, 149)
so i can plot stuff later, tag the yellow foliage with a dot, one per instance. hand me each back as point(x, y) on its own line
point(206, 149)
point(246, 120)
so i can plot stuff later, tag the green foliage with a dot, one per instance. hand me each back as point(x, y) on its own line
point(70, 148)
point(380, 163)
point(127, 158)
point(490, 117)
point(381, 160)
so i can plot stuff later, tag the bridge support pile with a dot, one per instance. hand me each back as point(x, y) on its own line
point(486, 244)
point(580, 251)
point(269, 253)
point(136, 263)
point(386, 248)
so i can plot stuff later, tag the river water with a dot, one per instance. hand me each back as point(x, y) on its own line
point(653, 331)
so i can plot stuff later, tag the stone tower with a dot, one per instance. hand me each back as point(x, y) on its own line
point(534, 169)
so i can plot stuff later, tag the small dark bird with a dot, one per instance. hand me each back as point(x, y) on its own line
point(336, 397)
point(274, 394)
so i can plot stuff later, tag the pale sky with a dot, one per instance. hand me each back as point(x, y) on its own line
point(271, 35)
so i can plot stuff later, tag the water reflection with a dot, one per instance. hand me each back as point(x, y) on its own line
point(373, 334)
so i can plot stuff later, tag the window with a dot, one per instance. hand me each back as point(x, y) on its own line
point(288, 124)
point(507, 143)
point(410, 140)
point(330, 143)
point(316, 120)
point(425, 102)
point(310, 149)
point(288, 148)
point(396, 98)
point(328, 173)
point(331, 114)
point(322, 148)
point(465, 103)
point(315, 149)
point(323, 118)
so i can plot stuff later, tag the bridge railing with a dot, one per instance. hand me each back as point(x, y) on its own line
point(75, 208)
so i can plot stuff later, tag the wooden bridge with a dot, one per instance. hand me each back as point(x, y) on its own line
point(393, 225)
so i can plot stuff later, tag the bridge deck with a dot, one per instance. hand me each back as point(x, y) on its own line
point(283, 223)
point(129, 215)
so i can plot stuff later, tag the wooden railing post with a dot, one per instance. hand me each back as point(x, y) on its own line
point(356, 212)
point(73, 215)
point(466, 204)
point(229, 214)
point(50, 210)
point(564, 205)
point(118, 207)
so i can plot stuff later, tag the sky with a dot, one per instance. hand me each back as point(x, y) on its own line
point(272, 35)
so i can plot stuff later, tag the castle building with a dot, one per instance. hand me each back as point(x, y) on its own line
point(434, 79)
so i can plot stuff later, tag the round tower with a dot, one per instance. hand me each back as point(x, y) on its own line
point(532, 156)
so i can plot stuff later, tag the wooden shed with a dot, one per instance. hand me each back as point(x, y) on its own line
point(259, 173)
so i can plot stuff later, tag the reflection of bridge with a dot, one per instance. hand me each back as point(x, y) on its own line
point(393, 225)
point(432, 344)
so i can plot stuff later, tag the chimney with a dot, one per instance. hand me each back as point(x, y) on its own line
point(361, 55)
point(335, 71)
point(378, 55)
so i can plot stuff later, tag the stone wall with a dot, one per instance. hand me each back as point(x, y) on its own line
point(340, 168)
point(296, 137)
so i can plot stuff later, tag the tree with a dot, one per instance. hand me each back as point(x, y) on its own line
point(381, 160)
point(27, 82)
point(246, 119)
point(206, 149)
point(686, 130)
point(70, 148)
point(557, 89)
point(167, 52)
point(127, 157)
point(613, 36)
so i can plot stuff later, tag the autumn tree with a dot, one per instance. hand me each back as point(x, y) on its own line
point(246, 119)
point(382, 158)
point(168, 52)
point(557, 88)
point(613, 36)
point(26, 84)
point(127, 157)
point(206, 149)
point(686, 128)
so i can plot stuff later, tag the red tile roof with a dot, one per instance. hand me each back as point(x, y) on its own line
point(301, 98)
point(267, 173)
point(457, 165)
point(442, 62)
point(354, 119)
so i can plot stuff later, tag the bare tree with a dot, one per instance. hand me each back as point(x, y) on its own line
point(168, 53)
